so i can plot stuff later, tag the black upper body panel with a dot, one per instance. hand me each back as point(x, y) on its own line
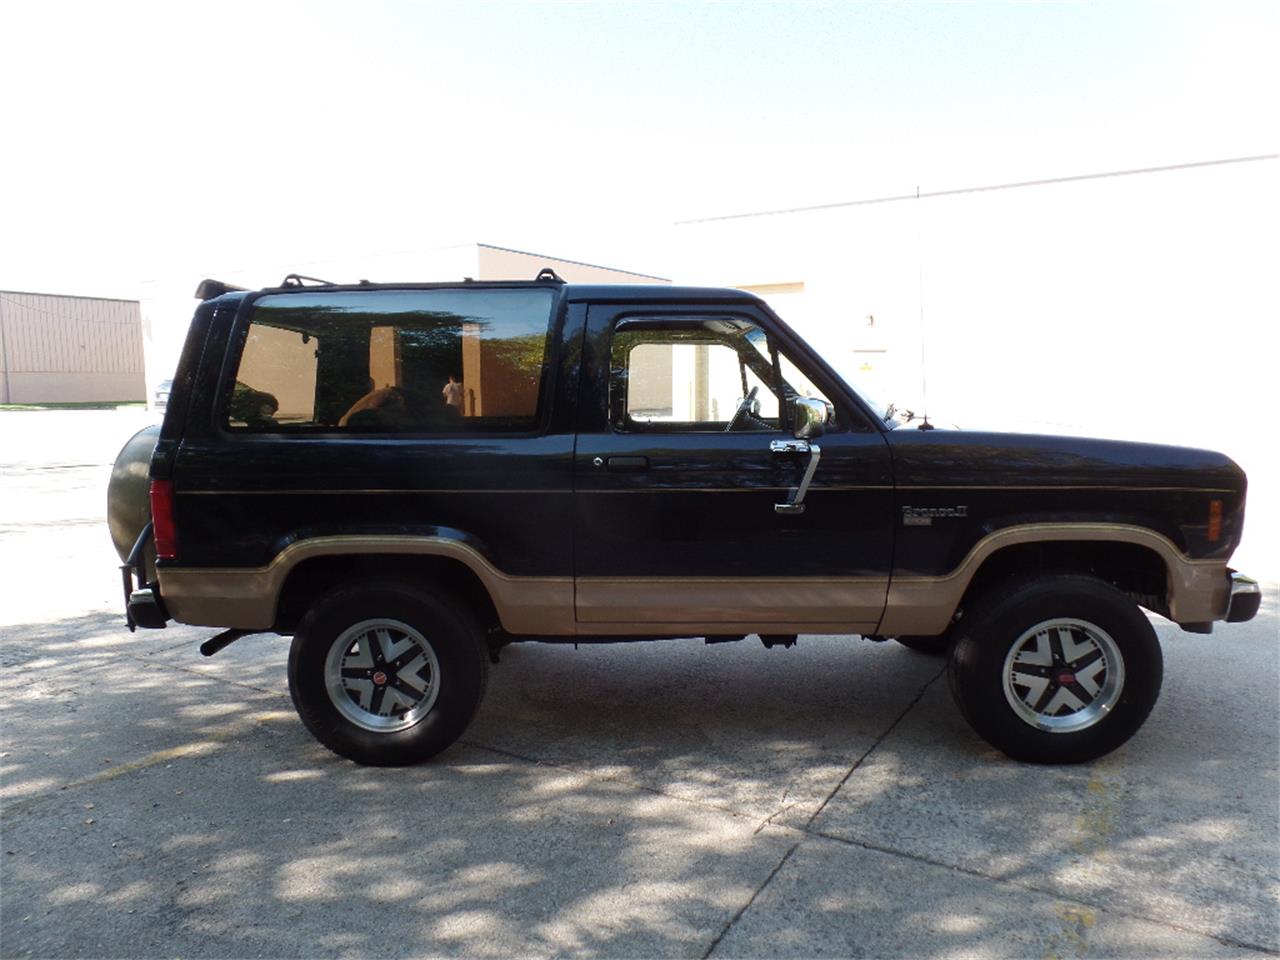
point(515, 493)
point(1009, 479)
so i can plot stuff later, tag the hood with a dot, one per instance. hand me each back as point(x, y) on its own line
point(985, 458)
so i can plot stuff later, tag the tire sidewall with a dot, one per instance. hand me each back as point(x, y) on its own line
point(979, 655)
point(454, 639)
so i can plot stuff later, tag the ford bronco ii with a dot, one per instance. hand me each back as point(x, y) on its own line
point(406, 477)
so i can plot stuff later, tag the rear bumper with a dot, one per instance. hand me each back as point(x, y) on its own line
point(1246, 597)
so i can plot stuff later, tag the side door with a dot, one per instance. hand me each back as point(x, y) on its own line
point(678, 477)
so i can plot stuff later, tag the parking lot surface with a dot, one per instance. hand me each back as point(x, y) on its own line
point(660, 799)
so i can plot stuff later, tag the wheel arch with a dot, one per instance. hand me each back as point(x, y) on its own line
point(313, 578)
point(1136, 560)
point(1133, 568)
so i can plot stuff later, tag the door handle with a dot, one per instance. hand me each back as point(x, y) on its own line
point(789, 446)
point(627, 464)
point(794, 504)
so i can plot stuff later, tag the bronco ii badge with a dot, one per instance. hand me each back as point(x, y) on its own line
point(923, 516)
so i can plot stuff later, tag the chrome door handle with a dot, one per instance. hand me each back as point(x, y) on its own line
point(795, 496)
point(789, 446)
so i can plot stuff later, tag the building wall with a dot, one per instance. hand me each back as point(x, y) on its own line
point(56, 349)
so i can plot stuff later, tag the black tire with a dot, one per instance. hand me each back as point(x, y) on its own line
point(406, 619)
point(932, 646)
point(1086, 615)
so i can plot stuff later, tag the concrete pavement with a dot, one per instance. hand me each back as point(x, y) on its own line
point(664, 799)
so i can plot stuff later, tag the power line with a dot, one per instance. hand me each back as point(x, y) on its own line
point(1015, 185)
point(77, 318)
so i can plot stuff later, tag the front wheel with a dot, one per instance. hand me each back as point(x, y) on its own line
point(386, 675)
point(1056, 669)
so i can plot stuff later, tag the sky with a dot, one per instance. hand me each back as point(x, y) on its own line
point(140, 141)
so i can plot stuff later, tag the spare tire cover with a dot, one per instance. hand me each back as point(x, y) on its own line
point(128, 492)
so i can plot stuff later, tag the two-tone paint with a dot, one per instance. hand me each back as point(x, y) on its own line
point(579, 530)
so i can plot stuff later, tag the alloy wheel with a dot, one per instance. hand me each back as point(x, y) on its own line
point(382, 675)
point(1063, 675)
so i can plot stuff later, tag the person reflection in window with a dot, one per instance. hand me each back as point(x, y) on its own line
point(388, 403)
point(452, 394)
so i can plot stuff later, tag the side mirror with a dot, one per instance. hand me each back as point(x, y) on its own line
point(810, 418)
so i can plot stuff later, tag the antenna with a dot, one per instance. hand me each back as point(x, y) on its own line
point(924, 380)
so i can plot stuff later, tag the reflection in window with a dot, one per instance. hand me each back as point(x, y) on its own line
point(394, 360)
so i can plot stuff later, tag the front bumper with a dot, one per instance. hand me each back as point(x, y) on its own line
point(1246, 597)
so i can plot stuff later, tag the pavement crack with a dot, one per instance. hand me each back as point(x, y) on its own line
point(809, 831)
point(206, 676)
point(747, 906)
point(1107, 907)
point(871, 749)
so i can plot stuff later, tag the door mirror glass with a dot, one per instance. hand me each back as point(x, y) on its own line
point(810, 418)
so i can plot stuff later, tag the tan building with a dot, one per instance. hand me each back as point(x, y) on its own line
point(58, 349)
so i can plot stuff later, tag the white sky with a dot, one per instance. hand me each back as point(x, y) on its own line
point(144, 141)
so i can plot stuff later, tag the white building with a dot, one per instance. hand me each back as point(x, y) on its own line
point(1070, 302)
point(1140, 305)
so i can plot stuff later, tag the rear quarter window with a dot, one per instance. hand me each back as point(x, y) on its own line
point(393, 361)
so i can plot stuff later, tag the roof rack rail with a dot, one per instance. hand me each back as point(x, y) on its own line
point(301, 280)
point(547, 275)
point(210, 289)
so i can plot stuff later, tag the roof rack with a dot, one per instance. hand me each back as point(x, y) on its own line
point(547, 275)
point(301, 280)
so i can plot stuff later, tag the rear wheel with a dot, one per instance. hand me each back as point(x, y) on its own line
point(385, 674)
point(1057, 669)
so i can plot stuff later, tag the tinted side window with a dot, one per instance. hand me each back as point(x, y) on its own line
point(699, 375)
point(380, 361)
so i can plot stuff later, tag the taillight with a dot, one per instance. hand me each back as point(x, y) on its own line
point(1215, 521)
point(162, 526)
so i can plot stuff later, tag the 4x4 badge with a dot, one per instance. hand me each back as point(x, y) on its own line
point(923, 516)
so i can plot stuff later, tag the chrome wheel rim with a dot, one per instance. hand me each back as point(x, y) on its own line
point(1063, 675)
point(382, 675)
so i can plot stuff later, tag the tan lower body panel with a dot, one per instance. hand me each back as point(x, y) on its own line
point(782, 604)
point(246, 598)
point(708, 628)
point(1198, 591)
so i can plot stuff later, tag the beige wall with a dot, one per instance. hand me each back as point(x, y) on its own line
point(56, 349)
point(499, 263)
point(278, 362)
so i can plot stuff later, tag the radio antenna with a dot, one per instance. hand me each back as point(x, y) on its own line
point(924, 380)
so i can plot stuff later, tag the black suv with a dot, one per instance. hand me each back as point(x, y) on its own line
point(406, 477)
